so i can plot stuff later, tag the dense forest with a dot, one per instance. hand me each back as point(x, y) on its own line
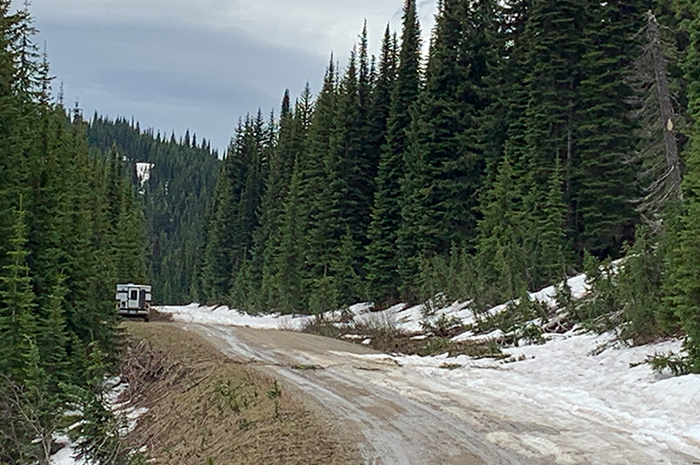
point(70, 229)
point(175, 187)
point(536, 140)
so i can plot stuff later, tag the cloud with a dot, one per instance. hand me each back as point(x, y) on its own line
point(208, 77)
point(315, 26)
point(202, 64)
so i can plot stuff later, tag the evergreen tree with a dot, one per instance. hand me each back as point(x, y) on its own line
point(681, 284)
point(218, 268)
point(17, 322)
point(356, 165)
point(129, 257)
point(52, 337)
point(384, 264)
point(603, 182)
point(287, 284)
point(546, 253)
point(502, 120)
point(321, 187)
point(380, 100)
point(14, 139)
point(444, 160)
point(501, 253)
point(658, 120)
point(293, 128)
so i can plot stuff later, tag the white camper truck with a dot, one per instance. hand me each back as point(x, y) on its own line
point(134, 301)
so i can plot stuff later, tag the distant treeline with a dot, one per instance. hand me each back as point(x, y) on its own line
point(174, 199)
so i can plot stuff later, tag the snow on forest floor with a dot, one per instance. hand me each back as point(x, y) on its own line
point(579, 384)
point(130, 415)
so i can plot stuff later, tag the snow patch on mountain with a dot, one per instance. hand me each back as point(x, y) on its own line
point(143, 173)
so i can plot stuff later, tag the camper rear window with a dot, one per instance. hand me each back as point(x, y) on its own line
point(134, 294)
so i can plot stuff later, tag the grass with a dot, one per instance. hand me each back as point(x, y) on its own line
point(388, 338)
point(206, 408)
point(303, 367)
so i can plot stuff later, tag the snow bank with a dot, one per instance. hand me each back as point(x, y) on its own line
point(562, 396)
point(222, 315)
point(400, 316)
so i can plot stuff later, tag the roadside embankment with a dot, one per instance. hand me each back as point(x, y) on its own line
point(205, 408)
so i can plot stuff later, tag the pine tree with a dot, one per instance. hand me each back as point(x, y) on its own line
point(52, 337)
point(603, 180)
point(129, 255)
point(14, 136)
point(381, 98)
point(227, 244)
point(90, 274)
point(357, 166)
point(502, 120)
point(501, 252)
point(381, 264)
point(321, 188)
point(681, 283)
point(293, 128)
point(252, 166)
point(287, 284)
point(547, 253)
point(384, 264)
point(17, 301)
point(445, 162)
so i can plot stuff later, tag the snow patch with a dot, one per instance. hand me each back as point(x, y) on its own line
point(222, 315)
point(143, 173)
point(132, 414)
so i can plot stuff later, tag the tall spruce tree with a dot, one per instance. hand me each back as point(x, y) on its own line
point(501, 253)
point(444, 160)
point(681, 283)
point(387, 269)
point(321, 189)
point(503, 83)
point(17, 301)
point(603, 179)
point(293, 128)
point(287, 286)
point(217, 267)
point(357, 168)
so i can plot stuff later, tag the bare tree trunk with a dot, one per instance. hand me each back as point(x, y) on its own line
point(668, 116)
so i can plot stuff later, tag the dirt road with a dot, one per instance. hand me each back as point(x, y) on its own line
point(403, 425)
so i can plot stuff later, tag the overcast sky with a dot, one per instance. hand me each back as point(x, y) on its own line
point(201, 64)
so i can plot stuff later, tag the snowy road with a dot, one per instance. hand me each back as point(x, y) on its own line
point(578, 399)
point(396, 421)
